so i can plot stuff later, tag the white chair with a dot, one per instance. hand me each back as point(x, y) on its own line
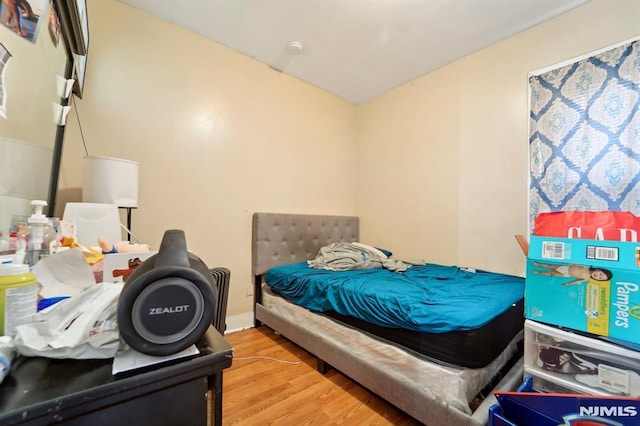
point(93, 220)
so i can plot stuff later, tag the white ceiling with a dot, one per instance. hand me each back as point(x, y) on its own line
point(356, 49)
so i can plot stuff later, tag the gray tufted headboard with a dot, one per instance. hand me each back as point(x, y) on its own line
point(280, 238)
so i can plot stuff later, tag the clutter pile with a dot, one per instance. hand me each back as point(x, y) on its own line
point(53, 299)
point(582, 327)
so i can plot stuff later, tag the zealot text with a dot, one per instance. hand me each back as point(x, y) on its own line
point(169, 310)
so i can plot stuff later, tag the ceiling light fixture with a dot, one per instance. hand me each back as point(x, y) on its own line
point(292, 49)
point(295, 47)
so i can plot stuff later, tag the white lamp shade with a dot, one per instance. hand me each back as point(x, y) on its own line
point(110, 181)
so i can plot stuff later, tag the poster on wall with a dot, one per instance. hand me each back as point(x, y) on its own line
point(23, 17)
point(54, 24)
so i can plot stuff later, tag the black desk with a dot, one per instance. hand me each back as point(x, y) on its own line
point(83, 392)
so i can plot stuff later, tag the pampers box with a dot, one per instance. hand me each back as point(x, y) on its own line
point(586, 285)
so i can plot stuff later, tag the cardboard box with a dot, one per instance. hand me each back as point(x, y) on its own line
point(585, 285)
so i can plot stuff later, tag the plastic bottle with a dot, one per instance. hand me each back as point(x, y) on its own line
point(4, 243)
point(8, 355)
point(40, 234)
point(22, 235)
point(18, 297)
point(13, 240)
point(51, 240)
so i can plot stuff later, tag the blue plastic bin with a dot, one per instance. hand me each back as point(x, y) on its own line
point(496, 413)
point(530, 407)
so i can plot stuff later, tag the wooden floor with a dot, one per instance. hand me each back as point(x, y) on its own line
point(274, 382)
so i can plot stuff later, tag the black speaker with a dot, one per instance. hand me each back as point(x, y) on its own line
point(168, 302)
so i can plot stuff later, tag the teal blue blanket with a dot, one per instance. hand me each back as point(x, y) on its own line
point(430, 298)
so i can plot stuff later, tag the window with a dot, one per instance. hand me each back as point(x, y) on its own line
point(584, 140)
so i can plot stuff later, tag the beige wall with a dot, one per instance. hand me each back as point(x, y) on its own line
point(218, 136)
point(442, 160)
point(436, 169)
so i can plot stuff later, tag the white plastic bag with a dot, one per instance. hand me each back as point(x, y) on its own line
point(81, 327)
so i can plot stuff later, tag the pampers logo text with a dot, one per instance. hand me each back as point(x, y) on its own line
point(624, 291)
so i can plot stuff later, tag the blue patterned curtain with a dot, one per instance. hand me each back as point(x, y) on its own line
point(585, 135)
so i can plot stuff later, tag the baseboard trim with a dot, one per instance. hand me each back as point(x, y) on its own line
point(239, 322)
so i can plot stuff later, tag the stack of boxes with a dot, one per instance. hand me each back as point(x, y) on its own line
point(581, 336)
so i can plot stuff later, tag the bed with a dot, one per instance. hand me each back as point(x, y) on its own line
point(400, 366)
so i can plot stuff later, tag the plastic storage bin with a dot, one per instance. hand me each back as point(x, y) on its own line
point(497, 417)
point(566, 362)
point(529, 407)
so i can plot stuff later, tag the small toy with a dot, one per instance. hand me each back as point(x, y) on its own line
point(121, 247)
